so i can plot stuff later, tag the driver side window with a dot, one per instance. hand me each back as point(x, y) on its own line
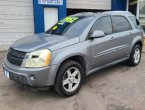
point(104, 24)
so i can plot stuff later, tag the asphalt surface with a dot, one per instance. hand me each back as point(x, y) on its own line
point(119, 87)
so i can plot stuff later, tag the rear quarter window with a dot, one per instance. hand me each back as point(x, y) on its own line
point(134, 21)
point(120, 24)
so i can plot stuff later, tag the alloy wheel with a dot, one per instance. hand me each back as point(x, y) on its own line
point(71, 79)
point(137, 55)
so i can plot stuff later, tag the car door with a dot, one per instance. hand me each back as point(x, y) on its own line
point(102, 49)
point(122, 36)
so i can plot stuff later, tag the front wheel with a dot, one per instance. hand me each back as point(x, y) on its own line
point(69, 79)
point(135, 56)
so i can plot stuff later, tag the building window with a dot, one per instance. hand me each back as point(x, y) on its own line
point(133, 7)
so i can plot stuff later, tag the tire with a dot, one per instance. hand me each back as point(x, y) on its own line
point(67, 84)
point(135, 56)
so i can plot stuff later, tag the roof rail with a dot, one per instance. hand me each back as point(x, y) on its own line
point(127, 12)
point(85, 14)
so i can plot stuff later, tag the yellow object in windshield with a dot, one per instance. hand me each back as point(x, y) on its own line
point(55, 27)
point(68, 20)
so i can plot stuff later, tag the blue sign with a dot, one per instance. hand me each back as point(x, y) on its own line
point(118, 5)
point(39, 12)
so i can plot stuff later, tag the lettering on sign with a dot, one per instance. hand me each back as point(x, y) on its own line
point(51, 2)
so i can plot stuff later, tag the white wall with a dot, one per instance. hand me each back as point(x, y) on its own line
point(16, 20)
point(50, 17)
point(93, 4)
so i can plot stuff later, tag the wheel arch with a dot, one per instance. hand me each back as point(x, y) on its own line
point(137, 40)
point(78, 58)
point(139, 43)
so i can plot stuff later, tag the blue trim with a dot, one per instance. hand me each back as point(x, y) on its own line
point(39, 24)
point(118, 5)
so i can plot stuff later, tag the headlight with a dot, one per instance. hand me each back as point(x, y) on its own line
point(39, 58)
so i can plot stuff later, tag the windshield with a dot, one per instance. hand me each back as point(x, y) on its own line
point(70, 26)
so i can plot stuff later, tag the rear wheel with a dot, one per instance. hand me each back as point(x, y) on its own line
point(69, 79)
point(135, 56)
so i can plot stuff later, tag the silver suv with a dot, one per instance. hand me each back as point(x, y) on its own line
point(74, 48)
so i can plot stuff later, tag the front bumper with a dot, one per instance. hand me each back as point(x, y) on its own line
point(34, 77)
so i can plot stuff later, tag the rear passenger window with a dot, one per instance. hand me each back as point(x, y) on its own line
point(104, 24)
point(134, 21)
point(120, 24)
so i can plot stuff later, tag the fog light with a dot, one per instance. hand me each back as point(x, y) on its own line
point(32, 77)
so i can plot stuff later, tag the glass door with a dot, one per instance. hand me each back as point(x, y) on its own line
point(142, 13)
point(133, 7)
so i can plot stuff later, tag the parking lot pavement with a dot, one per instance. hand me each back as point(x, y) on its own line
point(116, 88)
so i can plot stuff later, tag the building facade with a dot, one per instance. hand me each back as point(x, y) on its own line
point(16, 20)
point(20, 18)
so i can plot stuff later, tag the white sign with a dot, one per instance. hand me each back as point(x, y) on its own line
point(51, 2)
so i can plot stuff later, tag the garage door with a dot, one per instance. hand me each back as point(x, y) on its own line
point(16, 20)
point(50, 17)
point(89, 4)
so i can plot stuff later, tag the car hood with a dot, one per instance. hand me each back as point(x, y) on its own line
point(43, 41)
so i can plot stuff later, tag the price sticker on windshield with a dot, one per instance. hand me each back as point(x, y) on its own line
point(54, 28)
point(68, 20)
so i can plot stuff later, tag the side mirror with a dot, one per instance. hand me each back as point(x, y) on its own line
point(97, 34)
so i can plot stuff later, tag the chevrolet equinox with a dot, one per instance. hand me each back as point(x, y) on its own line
point(74, 48)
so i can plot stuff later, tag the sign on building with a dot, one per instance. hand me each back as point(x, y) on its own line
point(51, 2)
point(47, 13)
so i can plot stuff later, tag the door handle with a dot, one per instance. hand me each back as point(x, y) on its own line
point(131, 33)
point(112, 38)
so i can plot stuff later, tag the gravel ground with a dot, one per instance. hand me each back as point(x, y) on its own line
point(116, 88)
